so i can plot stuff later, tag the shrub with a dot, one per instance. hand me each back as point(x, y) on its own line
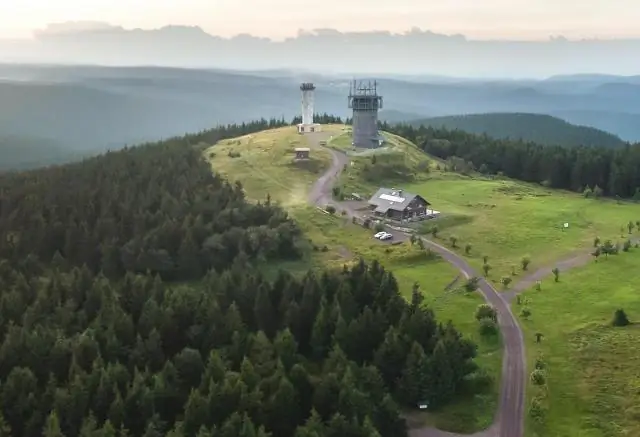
point(453, 239)
point(538, 377)
point(471, 284)
point(626, 246)
point(379, 227)
point(525, 261)
point(486, 268)
point(467, 248)
point(556, 274)
point(330, 209)
point(486, 311)
point(506, 280)
point(488, 327)
point(620, 318)
point(525, 313)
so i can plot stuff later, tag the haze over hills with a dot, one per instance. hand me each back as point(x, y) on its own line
point(324, 50)
point(88, 109)
point(538, 128)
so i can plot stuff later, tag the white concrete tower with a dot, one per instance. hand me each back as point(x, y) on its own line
point(307, 124)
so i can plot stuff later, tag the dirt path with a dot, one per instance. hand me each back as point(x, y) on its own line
point(510, 414)
point(576, 260)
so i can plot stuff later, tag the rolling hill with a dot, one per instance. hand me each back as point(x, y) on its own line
point(539, 128)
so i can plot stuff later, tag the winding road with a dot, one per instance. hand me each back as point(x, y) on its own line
point(509, 419)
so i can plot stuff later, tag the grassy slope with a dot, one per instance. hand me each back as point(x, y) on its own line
point(265, 166)
point(540, 128)
point(593, 380)
point(503, 219)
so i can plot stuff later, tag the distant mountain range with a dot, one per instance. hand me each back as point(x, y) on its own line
point(415, 52)
point(88, 109)
point(542, 129)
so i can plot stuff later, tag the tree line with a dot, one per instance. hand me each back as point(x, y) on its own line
point(615, 171)
point(156, 208)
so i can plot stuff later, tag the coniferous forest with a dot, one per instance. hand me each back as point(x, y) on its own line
point(130, 305)
point(616, 171)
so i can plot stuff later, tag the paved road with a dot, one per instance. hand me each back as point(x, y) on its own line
point(510, 414)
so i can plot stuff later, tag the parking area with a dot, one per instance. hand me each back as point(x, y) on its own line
point(396, 237)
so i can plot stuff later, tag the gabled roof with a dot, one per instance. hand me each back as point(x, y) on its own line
point(389, 198)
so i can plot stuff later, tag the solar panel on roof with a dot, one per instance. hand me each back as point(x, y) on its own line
point(391, 198)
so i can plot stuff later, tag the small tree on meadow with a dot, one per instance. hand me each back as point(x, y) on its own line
point(596, 242)
point(420, 244)
point(412, 239)
point(540, 363)
point(486, 268)
point(538, 377)
point(596, 253)
point(467, 248)
point(630, 226)
point(620, 318)
point(525, 313)
point(485, 259)
point(453, 239)
point(538, 286)
point(607, 248)
point(488, 327)
point(471, 284)
point(330, 209)
point(506, 280)
point(525, 261)
point(597, 192)
point(486, 311)
point(434, 231)
point(587, 192)
point(626, 246)
point(556, 274)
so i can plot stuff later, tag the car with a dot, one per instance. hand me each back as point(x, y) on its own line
point(379, 234)
point(386, 236)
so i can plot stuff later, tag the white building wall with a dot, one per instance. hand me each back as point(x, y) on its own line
point(307, 106)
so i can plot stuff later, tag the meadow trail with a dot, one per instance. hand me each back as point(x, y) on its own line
point(509, 418)
point(573, 261)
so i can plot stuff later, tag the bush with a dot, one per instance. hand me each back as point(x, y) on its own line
point(525, 261)
point(330, 209)
point(540, 364)
point(538, 377)
point(486, 311)
point(488, 327)
point(506, 280)
point(471, 284)
point(620, 318)
point(467, 248)
point(536, 409)
point(379, 227)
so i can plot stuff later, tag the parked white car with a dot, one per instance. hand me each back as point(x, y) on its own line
point(379, 234)
point(386, 236)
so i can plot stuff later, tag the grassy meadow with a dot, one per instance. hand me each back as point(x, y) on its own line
point(507, 220)
point(593, 382)
point(263, 163)
point(502, 219)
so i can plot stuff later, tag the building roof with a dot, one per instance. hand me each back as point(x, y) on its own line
point(302, 149)
point(389, 198)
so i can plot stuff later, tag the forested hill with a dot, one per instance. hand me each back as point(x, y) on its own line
point(539, 128)
point(21, 152)
point(609, 171)
point(130, 305)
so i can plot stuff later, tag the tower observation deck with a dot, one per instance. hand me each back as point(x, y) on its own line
point(365, 103)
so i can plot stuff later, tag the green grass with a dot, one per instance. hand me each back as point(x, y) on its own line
point(507, 220)
point(593, 380)
point(264, 163)
point(265, 166)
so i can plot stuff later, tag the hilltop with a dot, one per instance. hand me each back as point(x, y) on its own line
point(538, 128)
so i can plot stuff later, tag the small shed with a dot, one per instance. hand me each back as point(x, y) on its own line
point(302, 153)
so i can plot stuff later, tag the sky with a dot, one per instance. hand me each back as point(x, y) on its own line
point(277, 19)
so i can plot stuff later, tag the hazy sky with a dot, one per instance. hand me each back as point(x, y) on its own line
point(521, 19)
